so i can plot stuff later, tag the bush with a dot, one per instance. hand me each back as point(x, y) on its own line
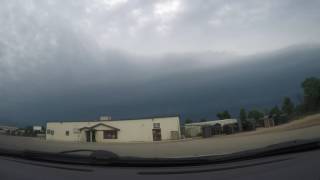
point(248, 126)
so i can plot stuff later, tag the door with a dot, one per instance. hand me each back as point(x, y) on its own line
point(93, 136)
point(88, 138)
point(156, 134)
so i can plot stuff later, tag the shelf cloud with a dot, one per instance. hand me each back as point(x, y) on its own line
point(61, 58)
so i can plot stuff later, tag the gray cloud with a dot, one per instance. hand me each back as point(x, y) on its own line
point(146, 27)
point(119, 85)
point(78, 59)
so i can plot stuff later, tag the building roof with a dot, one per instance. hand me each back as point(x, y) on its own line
point(129, 119)
point(8, 127)
point(97, 125)
point(150, 117)
point(221, 122)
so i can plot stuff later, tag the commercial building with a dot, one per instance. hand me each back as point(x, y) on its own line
point(107, 130)
point(37, 128)
point(210, 128)
point(7, 129)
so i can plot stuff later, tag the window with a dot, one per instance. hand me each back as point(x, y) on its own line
point(110, 134)
point(156, 125)
point(67, 133)
point(52, 132)
point(48, 131)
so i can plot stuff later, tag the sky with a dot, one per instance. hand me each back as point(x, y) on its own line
point(54, 53)
point(156, 27)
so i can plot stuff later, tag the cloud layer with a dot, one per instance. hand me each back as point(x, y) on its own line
point(117, 85)
point(146, 27)
point(83, 58)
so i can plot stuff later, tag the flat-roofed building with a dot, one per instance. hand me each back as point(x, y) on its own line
point(7, 129)
point(202, 128)
point(37, 128)
point(107, 130)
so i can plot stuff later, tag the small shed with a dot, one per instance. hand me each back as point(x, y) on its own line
point(209, 128)
point(268, 122)
point(216, 129)
point(207, 131)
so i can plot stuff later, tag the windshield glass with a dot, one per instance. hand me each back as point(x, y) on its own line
point(176, 78)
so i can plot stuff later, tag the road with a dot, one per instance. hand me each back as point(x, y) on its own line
point(215, 145)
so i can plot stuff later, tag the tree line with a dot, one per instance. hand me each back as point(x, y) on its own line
point(286, 112)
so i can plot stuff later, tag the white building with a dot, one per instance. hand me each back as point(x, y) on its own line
point(7, 129)
point(37, 128)
point(107, 130)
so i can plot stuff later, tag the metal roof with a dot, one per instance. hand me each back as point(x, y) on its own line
point(128, 119)
point(221, 122)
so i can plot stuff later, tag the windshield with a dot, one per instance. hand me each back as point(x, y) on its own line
point(168, 79)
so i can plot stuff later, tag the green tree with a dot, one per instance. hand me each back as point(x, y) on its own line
point(224, 115)
point(203, 120)
point(266, 111)
point(311, 89)
point(299, 109)
point(243, 124)
point(220, 115)
point(255, 114)
point(287, 106)
point(188, 120)
point(275, 112)
point(243, 115)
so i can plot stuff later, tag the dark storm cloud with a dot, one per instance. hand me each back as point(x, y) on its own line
point(80, 89)
point(81, 59)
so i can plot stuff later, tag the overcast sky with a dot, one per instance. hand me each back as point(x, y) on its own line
point(57, 48)
point(155, 27)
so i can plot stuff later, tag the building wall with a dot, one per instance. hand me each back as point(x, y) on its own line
point(130, 130)
point(192, 131)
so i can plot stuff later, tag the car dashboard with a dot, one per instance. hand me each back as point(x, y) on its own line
point(289, 166)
